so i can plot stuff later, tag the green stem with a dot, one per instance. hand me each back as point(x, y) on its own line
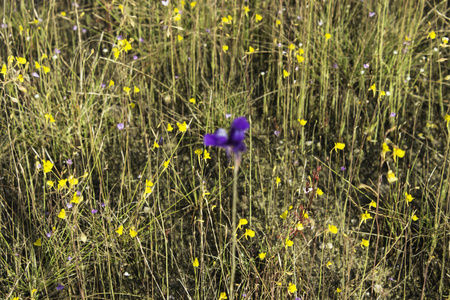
point(233, 227)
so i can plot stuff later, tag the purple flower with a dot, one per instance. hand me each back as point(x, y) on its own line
point(391, 279)
point(393, 115)
point(78, 193)
point(276, 132)
point(69, 205)
point(208, 30)
point(75, 27)
point(176, 76)
point(234, 141)
point(60, 287)
point(366, 66)
point(141, 40)
point(69, 162)
point(299, 18)
point(371, 14)
point(69, 258)
point(94, 211)
point(135, 57)
point(227, 116)
point(103, 204)
point(57, 51)
point(103, 85)
point(4, 25)
point(335, 65)
point(34, 74)
point(38, 165)
point(120, 126)
point(84, 30)
point(119, 37)
point(161, 141)
point(48, 234)
point(343, 168)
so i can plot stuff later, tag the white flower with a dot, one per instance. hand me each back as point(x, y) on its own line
point(395, 52)
point(320, 23)
point(388, 93)
point(362, 72)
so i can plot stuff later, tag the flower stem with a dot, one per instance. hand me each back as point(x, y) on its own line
point(237, 162)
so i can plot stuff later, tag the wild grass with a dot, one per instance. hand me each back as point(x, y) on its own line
point(352, 204)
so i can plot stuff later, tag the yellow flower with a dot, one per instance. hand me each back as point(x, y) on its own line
point(291, 47)
point(198, 152)
point(241, 223)
point(21, 60)
point(333, 229)
point(75, 198)
point(286, 73)
point(169, 127)
point(4, 69)
point(148, 186)
point(166, 163)
point(177, 17)
point(373, 204)
point(49, 118)
point(299, 226)
point(223, 296)
point(409, 198)
point(327, 36)
point(50, 183)
point(62, 184)
point(192, 100)
point(62, 214)
point(249, 233)
point(391, 177)
point(246, 9)
point(225, 20)
point(292, 288)
point(338, 290)
point(63, 14)
point(37, 65)
point(289, 243)
point(20, 77)
point(328, 264)
point(278, 181)
point(300, 59)
point(444, 40)
point(432, 35)
point(195, 263)
point(126, 89)
point(302, 122)
point(20, 29)
point(447, 119)
point(284, 215)
point(258, 18)
point(155, 145)
point(278, 22)
point(38, 243)
point(339, 146)
point(382, 93)
point(364, 243)
point(111, 83)
point(193, 4)
point(180, 38)
point(120, 230)
point(182, 127)
point(72, 181)
point(206, 155)
point(133, 233)
point(398, 152)
point(47, 166)
point(364, 217)
point(46, 69)
point(319, 192)
point(121, 8)
point(305, 215)
point(44, 56)
point(415, 218)
point(251, 49)
point(262, 255)
point(373, 88)
point(225, 48)
point(385, 150)
point(136, 90)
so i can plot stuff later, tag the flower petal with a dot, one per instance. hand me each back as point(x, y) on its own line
point(218, 139)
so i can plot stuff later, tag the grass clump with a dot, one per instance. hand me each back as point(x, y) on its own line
point(108, 191)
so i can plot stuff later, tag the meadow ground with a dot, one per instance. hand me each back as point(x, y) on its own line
point(107, 190)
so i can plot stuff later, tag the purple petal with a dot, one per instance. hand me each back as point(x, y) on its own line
point(240, 123)
point(60, 287)
point(218, 139)
point(120, 126)
point(35, 74)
